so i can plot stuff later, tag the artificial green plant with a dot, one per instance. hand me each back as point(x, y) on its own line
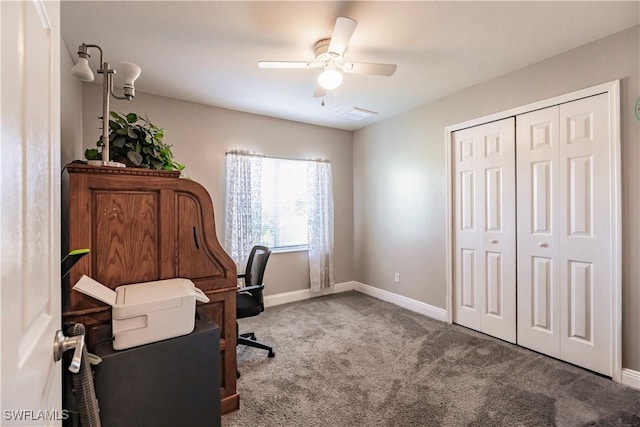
point(136, 142)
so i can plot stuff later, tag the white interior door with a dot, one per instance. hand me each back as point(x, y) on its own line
point(30, 214)
point(537, 154)
point(586, 192)
point(485, 258)
point(564, 232)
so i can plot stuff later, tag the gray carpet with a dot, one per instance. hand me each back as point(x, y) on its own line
point(352, 360)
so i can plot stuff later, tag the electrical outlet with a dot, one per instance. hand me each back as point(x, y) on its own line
point(396, 277)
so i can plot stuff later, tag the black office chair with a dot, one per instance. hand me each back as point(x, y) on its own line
point(249, 301)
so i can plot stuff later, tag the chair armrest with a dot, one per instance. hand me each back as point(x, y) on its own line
point(255, 291)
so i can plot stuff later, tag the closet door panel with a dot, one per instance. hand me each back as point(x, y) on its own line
point(537, 150)
point(485, 228)
point(469, 243)
point(585, 234)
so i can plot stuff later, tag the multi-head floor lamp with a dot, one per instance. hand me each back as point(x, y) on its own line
point(82, 72)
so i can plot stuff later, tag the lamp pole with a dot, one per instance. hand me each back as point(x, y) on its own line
point(82, 71)
point(106, 88)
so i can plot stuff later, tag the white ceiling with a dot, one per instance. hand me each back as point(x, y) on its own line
point(207, 51)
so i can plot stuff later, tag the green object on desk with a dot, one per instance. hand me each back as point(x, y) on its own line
point(70, 260)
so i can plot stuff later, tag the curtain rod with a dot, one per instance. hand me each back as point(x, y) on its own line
point(250, 153)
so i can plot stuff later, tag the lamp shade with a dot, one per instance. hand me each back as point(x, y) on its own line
point(81, 70)
point(130, 73)
point(330, 79)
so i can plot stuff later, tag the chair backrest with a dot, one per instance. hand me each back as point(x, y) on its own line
point(256, 264)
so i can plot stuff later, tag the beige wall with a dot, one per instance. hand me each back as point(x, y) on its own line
point(70, 131)
point(201, 135)
point(399, 174)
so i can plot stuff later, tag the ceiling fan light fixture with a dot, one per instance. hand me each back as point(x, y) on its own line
point(330, 79)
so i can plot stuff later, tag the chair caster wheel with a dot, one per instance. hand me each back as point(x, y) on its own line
point(272, 353)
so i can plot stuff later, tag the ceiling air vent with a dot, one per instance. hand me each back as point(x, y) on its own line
point(357, 114)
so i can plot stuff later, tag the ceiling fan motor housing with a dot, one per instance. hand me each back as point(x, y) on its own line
point(324, 58)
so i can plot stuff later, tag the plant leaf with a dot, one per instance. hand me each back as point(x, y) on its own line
point(92, 154)
point(132, 117)
point(136, 158)
point(119, 141)
point(132, 134)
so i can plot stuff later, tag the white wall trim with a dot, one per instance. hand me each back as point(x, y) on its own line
point(631, 378)
point(436, 313)
point(302, 294)
point(613, 90)
point(425, 309)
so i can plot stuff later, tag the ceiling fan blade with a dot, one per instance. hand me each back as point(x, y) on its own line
point(367, 68)
point(319, 92)
point(342, 33)
point(286, 64)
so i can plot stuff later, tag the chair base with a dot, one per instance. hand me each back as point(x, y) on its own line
point(249, 339)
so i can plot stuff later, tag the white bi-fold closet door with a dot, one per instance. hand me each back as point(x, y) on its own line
point(485, 256)
point(563, 232)
point(532, 235)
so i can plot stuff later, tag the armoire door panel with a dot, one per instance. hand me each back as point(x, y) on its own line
point(126, 241)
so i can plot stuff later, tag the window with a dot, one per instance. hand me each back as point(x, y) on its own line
point(284, 203)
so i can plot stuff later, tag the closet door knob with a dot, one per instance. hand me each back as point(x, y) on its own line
point(493, 241)
point(543, 245)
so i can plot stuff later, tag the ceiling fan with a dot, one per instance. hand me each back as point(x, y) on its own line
point(329, 57)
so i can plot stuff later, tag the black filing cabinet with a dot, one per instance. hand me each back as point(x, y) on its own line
point(174, 382)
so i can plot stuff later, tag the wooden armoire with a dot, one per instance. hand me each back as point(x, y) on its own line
point(143, 225)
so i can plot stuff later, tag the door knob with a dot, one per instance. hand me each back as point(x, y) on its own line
point(543, 245)
point(493, 241)
point(62, 343)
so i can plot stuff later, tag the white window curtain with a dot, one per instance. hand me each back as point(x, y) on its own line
point(243, 207)
point(320, 225)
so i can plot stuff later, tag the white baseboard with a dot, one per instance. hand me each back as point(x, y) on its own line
point(302, 294)
point(399, 300)
point(631, 378)
point(404, 302)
